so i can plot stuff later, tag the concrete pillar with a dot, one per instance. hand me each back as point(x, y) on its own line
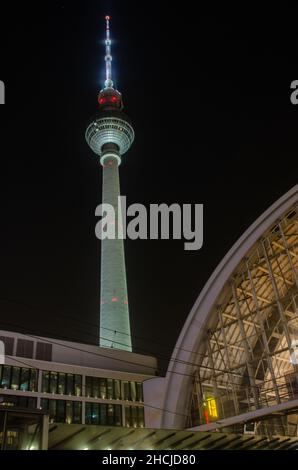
point(114, 312)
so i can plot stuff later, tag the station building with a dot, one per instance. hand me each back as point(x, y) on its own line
point(74, 383)
point(235, 363)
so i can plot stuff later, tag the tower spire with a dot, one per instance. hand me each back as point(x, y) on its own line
point(108, 56)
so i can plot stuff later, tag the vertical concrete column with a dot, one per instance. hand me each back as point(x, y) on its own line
point(114, 312)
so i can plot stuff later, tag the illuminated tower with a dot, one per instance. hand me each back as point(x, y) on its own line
point(110, 135)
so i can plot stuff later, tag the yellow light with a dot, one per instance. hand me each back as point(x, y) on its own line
point(212, 408)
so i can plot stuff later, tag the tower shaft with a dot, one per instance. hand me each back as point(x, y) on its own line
point(114, 312)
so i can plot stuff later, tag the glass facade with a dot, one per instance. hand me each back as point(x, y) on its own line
point(61, 383)
point(104, 414)
point(249, 357)
point(113, 389)
point(18, 378)
point(20, 401)
point(134, 416)
point(133, 391)
point(63, 411)
point(25, 379)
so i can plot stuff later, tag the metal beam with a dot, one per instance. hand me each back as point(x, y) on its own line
point(250, 416)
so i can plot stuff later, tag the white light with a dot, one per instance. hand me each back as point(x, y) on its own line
point(86, 448)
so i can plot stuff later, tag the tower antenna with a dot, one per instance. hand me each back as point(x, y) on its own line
point(108, 56)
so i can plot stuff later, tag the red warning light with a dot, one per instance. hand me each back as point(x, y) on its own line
point(114, 299)
point(101, 100)
point(107, 17)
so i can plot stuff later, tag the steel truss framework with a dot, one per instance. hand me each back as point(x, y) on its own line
point(250, 355)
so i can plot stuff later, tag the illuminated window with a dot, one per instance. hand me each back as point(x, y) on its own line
point(45, 381)
point(77, 412)
point(117, 390)
point(117, 415)
point(18, 378)
point(134, 416)
point(5, 379)
point(33, 380)
point(88, 386)
point(15, 378)
point(69, 384)
point(61, 383)
point(78, 385)
point(20, 401)
point(133, 392)
point(110, 415)
point(126, 391)
point(24, 382)
point(139, 387)
point(212, 408)
point(53, 382)
point(110, 388)
point(103, 414)
point(95, 413)
point(68, 417)
point(103, 389)
point(95, 387)
point(141, 420)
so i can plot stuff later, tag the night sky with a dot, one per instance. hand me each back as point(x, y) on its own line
point(209, 97)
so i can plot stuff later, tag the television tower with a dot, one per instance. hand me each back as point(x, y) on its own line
point(110, 135)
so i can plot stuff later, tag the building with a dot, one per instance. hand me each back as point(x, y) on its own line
point(110, 135)
point(235, 363)
point(72, 382)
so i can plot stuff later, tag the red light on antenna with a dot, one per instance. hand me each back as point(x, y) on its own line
point(107, 17)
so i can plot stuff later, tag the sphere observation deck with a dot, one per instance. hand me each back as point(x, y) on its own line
point(110, 125)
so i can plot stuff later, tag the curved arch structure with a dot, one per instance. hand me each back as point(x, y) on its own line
point(237, 351)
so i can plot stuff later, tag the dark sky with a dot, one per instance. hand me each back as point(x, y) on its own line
point(209, 96)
